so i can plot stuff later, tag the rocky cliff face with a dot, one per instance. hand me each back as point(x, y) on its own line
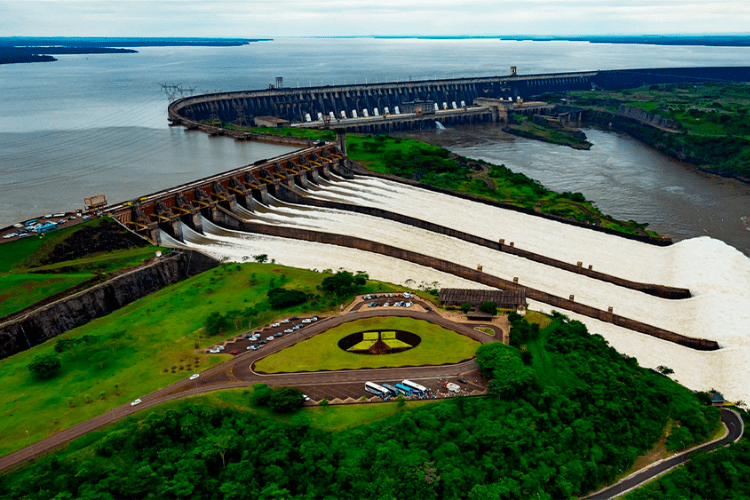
point(647, 118)
point(49, 322)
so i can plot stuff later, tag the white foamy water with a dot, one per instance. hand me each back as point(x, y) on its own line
point(713, 314)
point(240, 247)
point(717, 274)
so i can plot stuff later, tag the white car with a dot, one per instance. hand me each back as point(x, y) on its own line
point(307, 321)
point(270, 338)
point(288, 330)
point(253, 347)
point(307, 398)
point(214, 351)
point(276, 325)
point(221, 348)
point(194, 376)
point(285, 320)
point(136, 402)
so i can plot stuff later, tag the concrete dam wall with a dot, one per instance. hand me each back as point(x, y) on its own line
point(57, 318)
point(367, 99)
point(304, 104)
point(228, 220)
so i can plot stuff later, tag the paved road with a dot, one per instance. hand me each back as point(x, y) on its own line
point(735, 429)
point(237, 372)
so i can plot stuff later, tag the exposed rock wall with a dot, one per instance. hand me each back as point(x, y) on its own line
point(59, 317)
point(647, 118)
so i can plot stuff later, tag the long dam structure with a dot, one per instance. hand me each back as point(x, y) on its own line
point(255, 199)
point(377, 100)
point(227, 200)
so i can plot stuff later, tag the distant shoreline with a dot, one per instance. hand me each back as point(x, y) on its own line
point(14, 50)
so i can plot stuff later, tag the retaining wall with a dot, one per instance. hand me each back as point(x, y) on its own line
point(666, 292)
point(227, 219)
point(50, 321)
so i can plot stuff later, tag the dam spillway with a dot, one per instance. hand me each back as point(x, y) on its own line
point(717, 275)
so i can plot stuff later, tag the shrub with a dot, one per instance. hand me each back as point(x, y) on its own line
point(45, 365)
point(281, 297)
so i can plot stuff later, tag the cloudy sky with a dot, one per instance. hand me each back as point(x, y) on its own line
point(284, 18)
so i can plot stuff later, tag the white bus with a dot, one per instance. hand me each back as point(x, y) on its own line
point(415, 386)
point(376, 389)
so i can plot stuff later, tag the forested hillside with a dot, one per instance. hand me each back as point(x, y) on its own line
point(559, 423)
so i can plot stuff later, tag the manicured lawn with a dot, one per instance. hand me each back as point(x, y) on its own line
point(438, 346)
point(144, 346)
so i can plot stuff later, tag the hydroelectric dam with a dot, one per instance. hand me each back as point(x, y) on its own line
point(316, 209)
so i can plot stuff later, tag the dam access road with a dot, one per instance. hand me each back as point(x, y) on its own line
point(238, 372)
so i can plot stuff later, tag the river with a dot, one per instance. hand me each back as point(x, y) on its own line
point(91, 124)
point(624, 177)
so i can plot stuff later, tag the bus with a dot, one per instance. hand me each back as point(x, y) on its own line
point(376, 389)
point(415, 387)
point(391, 389)
point(406, 391)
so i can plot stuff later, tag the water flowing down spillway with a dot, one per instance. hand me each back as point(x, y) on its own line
point(241, 247)
point(717, 275)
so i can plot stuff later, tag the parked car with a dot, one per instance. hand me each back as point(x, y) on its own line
point(248, 335)
point(194, 376)
point(314, 318)
point(276, 325)
point(278, 334)
point(462, 380)
point(386, 304)
point(261, 342)
point(307, 321)
point(253, 347)
point(269, 338)
point(307, 398)
point(372, 304)
point(214, 351)
point(294, 317)
point(288, 330)
point(221, 348)
point(285, 320)
point(409, 304)
point(233, 352)
point(136, 402)
point(297, 327)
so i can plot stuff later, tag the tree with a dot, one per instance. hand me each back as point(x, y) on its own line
point(664, 370)
point(281, 297)
point(45, 365)
point(344, 283)
point(324, 402)
point(465, 307)
point(489, 307)
point(261, 258)
point(216, 323)
point(286, 399)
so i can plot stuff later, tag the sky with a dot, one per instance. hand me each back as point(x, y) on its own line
point(290, 18)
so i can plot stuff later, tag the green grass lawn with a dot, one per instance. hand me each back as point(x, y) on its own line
point(144, 346)
point(24, 280)
point(438, 346)
point(333, 418)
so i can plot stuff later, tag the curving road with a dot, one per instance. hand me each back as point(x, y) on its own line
point(735, 428)
point(238, 372)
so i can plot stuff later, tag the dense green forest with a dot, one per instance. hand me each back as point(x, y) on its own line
point(558, 423)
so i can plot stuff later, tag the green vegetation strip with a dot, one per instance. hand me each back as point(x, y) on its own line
point(146, 345)
point(436, 166)
point(713, 116)
point(30, 270)
point(439, 346)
